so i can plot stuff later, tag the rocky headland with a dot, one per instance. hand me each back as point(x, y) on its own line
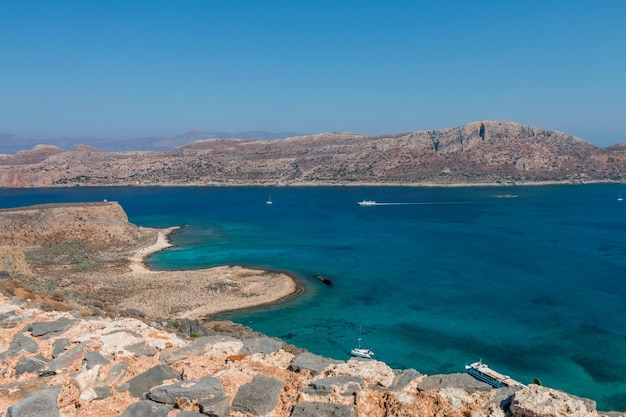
point(88, 257)
point(488, 152)
point(78, 338)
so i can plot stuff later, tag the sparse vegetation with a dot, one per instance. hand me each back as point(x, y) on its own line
point(75, 254)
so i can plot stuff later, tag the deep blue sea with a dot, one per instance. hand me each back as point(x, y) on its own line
point(535, 285)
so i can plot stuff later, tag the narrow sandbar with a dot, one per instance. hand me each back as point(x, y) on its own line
point(196, 293)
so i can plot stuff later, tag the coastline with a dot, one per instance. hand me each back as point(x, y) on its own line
point(138, 260)
point(198, 293)
point(424, 184)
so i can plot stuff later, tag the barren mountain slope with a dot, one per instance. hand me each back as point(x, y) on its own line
point(481, 152)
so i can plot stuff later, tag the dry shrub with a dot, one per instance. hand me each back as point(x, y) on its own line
point(51, 305)
point(57, 295)
point(24, 294)
point(7, 288)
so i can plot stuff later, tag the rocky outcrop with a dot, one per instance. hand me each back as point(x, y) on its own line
point(59, 364)
point(83, 236)
point(493, 152)
point(99, 225)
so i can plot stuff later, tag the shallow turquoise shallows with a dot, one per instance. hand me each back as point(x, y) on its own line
point(530, 279)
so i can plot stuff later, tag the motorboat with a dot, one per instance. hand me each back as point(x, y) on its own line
point(367, 203)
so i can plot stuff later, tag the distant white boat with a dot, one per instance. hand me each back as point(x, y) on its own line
point(367, 203)
point(619, 198)
point(361, 352)
point(269, 199)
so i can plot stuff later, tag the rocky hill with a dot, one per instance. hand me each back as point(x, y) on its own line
point(489, 152)
point(59, 364)
point(14, 143)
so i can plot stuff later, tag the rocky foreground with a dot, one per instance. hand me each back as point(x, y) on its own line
point(59, 364)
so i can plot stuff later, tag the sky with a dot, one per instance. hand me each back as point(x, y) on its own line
point(141, 68)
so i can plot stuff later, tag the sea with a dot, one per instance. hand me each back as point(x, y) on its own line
point(529, 279)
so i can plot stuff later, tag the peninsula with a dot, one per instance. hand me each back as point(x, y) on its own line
point(90, 256)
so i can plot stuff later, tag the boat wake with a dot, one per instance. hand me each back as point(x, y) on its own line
point(423, 203)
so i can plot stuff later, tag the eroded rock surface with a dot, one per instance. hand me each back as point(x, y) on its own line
point(54, 364)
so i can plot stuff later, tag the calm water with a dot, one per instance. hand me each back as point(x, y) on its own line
point(534, 285)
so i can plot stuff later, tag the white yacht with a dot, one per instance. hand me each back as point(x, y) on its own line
point(361, 352)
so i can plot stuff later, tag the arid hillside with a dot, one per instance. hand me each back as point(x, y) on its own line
point(490, 152)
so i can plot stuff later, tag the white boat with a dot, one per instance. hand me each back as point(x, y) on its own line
point(269, 200)
point(481, 371)
point(361, 352)
point(367, 203)
point(619, 198)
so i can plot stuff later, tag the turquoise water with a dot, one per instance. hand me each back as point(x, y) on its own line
point(534, 285)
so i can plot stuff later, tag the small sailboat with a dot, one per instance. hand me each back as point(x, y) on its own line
point(269, 199)
point(361, 352)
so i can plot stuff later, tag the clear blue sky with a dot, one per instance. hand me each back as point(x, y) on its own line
point(125, 68)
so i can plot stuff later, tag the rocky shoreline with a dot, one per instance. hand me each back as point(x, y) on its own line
point(96, 258)
point(61, 364)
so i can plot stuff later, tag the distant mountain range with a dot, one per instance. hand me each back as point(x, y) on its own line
point(13, 143)
point(488, 152)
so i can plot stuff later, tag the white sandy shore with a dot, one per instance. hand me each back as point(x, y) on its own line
point(137, 261)
point(197, 293)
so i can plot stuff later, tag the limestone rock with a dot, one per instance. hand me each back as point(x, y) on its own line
point(208, 387)
point(86, 381)
point(142, 349)
point(319, 409)
point(42, 403)
point(94, 358)
point(67, 359)
point(403, 378)
point(59, 345)
point(215, 407)
point(146, 408)
point(258, 397)
point(456, 380)
point(260, 345)
point(343, 385)
point(140, 385)
point(45, 328)
point(371, 371)
point(538, 401)
point(21, 343)
point(312, 362)
point(199, 346)
point(34, 364)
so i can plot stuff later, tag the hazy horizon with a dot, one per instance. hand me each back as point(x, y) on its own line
point(151, 68)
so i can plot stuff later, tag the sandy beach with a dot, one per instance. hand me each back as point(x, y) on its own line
point(196, 293)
